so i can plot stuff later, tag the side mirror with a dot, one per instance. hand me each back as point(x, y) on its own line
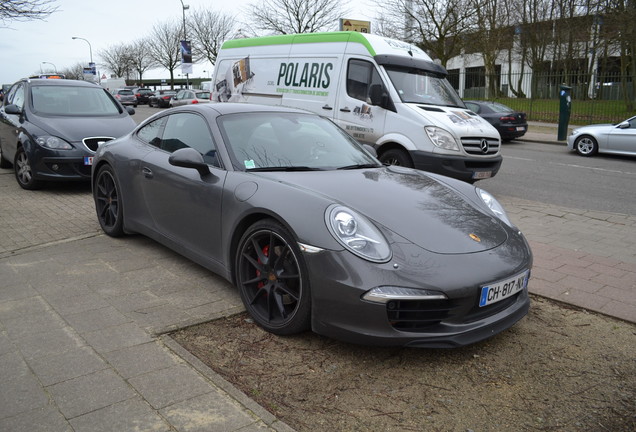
point(380, 97)
point(370, 149)
point(624, 125)
point(189, 158)
point(130, 110)
point(12, 109)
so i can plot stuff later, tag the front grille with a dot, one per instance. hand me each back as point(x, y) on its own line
point(480, 146)
point(92, 143)
point(418, 315)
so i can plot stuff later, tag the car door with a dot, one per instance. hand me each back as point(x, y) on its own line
point(10, 123)
point(623, 139)
point(184, 206)
point(355, 112)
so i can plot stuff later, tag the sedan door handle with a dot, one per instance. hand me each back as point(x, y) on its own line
point(345, 109)
point(147, 172)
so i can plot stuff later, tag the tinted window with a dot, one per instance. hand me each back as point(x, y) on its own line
point(151, 133)
point(75, 101)
point(361, 75)
point(189, 130)
point(203, 95)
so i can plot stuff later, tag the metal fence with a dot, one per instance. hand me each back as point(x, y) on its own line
point(596, 98)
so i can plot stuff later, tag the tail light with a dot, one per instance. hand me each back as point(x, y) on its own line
point(195, 101)
point(507, 119)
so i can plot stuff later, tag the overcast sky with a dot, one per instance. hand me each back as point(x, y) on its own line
point(26, 45)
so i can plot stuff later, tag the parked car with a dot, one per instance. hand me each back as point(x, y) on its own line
point(605, 138)
point(313, 230)
point(189, 97)
point(125, 97)
point(50, 129)
point(142, 94)
point(511, 124)
point(161, 98)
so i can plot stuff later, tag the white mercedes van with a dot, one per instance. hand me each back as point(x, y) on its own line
point(383, 92)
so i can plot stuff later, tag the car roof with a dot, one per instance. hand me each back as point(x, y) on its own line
point(237, 107)
point(59, 82)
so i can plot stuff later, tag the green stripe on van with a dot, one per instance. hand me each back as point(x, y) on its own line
point(300, 38)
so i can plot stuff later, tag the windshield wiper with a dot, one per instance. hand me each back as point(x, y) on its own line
point(359, 166)
point(283, 168)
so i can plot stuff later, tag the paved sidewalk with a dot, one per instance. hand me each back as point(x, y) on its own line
point(83, 316)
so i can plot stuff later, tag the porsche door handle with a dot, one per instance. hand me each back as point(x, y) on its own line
point(147, 172)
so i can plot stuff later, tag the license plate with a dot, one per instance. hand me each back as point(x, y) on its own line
point(482, 174)
point(88, 160)
point(520, 128)
point(503, 289)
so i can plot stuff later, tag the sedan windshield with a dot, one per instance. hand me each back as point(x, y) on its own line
point(73, 101)
point(290, 141)
point(423, 87)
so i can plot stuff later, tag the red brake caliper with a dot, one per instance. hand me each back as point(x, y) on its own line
point(258, 272)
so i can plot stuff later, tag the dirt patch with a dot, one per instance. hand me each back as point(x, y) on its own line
point(559, 369)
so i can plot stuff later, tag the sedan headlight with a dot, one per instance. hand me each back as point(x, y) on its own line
point(441, 138)
point(494, 206)
point(357, 234)
point(54, 143)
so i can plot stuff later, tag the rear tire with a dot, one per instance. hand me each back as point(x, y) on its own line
point(108, 205)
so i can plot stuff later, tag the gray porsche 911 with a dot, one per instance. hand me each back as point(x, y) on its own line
point(313, 230)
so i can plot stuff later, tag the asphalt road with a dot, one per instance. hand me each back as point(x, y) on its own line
point(553, 175)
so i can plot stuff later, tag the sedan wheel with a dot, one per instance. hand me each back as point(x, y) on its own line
point(586, 145)
point(108, 202)
point(396, 157)
point(272, 279)
point(23, 171)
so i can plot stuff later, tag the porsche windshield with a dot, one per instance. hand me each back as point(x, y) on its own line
point(277, 141)
point(423, 87)
point(73, 101)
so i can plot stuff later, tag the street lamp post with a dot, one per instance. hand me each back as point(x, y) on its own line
point(54, 67)
point(184, 7)
point(90, 48)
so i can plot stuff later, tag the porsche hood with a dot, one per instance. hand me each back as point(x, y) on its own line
point(411, 204)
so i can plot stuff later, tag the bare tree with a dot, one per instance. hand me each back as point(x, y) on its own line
point(210, 29)
point(140, 58)
point(25, 10)
point(118, 59)
point(436, 26)
point(75, 72)
point(295, 16)
point(164, 46)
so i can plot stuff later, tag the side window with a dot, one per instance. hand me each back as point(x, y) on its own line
point(16, 96)
point(151, 133)
point(362, 77)
point(189, 130)
point(472, 106)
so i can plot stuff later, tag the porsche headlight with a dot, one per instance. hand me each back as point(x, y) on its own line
point(357, 234)
point(52, 142)
point(441, 138)
point(494, 206)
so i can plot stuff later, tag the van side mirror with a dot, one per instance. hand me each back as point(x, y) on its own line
point(379, 97)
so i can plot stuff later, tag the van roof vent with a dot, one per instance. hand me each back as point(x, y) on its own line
point(429, 108)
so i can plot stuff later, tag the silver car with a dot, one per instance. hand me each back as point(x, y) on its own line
point(189, 97)
point(605, 138)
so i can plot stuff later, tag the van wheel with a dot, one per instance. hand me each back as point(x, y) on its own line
point(396, 157)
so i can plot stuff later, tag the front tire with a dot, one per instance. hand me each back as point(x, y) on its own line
point(107, 196)
point(24, 172)
point(586, 145)
point(396, 157)
point(271, 276)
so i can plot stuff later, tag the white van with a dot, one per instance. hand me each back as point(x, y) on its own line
point(111, 84)
point(383, 92)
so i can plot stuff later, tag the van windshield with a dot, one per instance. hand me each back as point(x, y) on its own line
point(423, 87)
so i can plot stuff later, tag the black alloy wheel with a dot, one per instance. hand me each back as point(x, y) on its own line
point(24, 172)
point(272, 279)
point(108, 202)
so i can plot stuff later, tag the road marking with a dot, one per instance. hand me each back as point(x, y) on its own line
point(605, 170)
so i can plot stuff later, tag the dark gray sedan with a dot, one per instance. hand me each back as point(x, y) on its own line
point(313, 230)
